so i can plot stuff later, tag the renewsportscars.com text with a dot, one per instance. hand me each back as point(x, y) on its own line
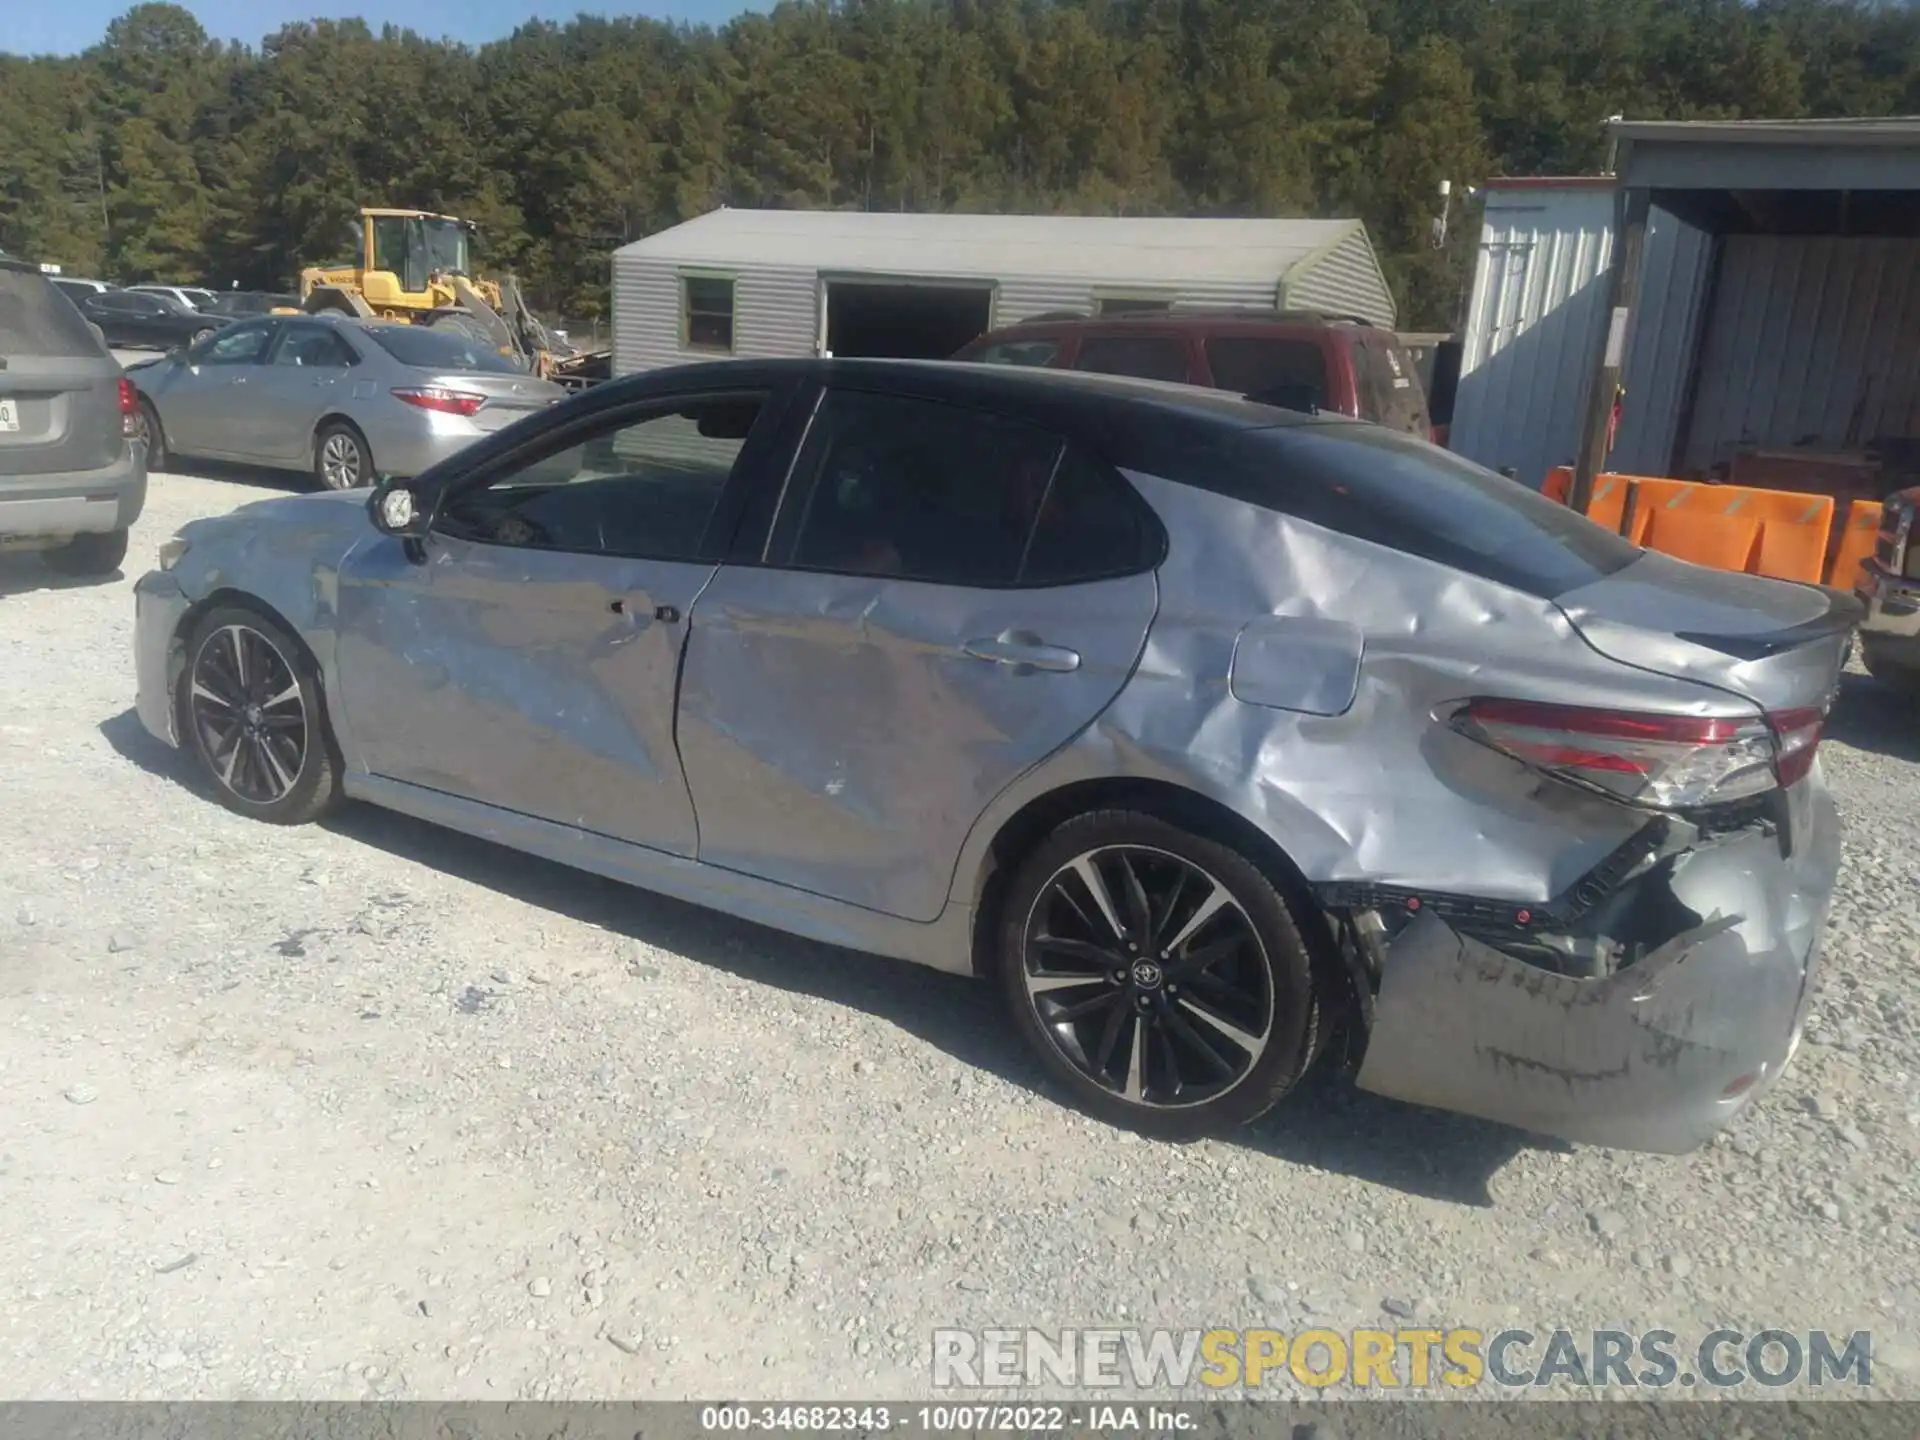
point(1410, 1358)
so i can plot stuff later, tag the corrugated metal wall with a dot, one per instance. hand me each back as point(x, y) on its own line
point(775, 314)
point(1345, 281)
point(1534, 322)
point(1813, 341)
point(1662, 337)
point(776, 309)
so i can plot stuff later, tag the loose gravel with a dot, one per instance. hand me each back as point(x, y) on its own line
point(375, 1110)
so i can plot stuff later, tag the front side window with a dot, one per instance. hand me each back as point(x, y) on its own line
point(707, 312)
point(647, 488)
point(235, 345)
point(389, 243)
point(1397, 491)
point(919, 490)
point(1149, 357)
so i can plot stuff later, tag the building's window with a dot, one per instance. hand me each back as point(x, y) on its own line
point(1133, 305)
point(706, 304)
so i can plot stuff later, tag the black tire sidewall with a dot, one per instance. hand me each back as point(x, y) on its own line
point(157, 456)
point(1290, 969)
point(315, 785)
point(327, 432)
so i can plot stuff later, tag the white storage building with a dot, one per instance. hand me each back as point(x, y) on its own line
point(774, 283)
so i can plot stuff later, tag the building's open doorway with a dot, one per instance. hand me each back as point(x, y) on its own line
point(904, 321)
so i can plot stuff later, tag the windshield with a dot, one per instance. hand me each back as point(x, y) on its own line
point(447, 246)
point(437, 349)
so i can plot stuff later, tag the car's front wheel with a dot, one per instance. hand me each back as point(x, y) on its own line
point(100, 553)
point(1159, 974)
point(252, 712)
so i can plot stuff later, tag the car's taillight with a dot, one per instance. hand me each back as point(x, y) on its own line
point(129, 409)
point(438, 397)
point(1667, 762)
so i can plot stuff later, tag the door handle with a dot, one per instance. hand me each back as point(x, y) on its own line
point(1024, 652)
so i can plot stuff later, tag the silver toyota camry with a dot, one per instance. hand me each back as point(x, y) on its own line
point(343, 399)
point(1218, 737)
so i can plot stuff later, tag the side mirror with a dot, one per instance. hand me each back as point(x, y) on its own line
point(397, 509)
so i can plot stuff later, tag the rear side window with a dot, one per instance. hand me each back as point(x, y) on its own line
point(37, 320)
point(918, 490)
point(1289, 373)
point(1399, 492)
point(1017, 352)
point(1147, 357)
point(1390, 392)
point(427, 348)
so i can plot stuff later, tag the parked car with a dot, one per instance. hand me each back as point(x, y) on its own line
point(76, 289)
point(1889, 587)
point(1292, 359)
point(331, 395)
point(73, 477)
point(251, 302)
point(132, 318)
point(191, 296)
point(1208, 730)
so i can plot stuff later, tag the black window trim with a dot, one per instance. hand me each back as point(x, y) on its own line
point(783, 533)
point(577, 429)
point(732, 282)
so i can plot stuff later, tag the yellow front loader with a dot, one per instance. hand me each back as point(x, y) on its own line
point(415, 267)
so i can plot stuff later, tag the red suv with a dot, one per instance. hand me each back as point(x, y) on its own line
point(1293, 359)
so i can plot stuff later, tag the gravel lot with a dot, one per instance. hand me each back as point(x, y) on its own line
point(376, 1110)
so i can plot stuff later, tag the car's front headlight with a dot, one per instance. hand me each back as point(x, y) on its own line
point(171, 551)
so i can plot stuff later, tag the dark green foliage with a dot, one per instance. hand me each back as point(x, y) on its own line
point(159, 154)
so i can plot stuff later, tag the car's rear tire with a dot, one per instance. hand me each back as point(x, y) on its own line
point(341, 457)
point(154, 434)
point(100, 553)
point(1197, 1014)
point(1889, 672)
point(251, 711)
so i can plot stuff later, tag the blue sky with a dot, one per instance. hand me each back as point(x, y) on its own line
point(73, 25)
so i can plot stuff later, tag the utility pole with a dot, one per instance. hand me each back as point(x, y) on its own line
point(1623, 293)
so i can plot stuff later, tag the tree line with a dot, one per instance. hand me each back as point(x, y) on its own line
point(160, 154)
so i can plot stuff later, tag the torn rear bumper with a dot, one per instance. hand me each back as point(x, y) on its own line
point(1658, 1056)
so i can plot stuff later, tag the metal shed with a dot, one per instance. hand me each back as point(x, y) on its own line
point(1798, 331)
point(770, 283)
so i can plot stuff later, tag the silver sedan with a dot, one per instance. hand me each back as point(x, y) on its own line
point(343, 399)
point(1220, 737)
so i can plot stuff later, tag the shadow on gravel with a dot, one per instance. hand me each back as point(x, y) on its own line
point(282, 482)
point(130, 741)
point(1326, 1125)
point(23, 573)
point(1877, 718)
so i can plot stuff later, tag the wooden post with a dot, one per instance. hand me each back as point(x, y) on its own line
point(1623, 292)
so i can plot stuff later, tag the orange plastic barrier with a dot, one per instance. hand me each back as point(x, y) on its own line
point(1794, 552)
point(1724, 542)
point(1856, 543)
point(1559, 483)
point(1608, 504)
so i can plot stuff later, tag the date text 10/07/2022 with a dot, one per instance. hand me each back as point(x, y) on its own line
point(946, 1419)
